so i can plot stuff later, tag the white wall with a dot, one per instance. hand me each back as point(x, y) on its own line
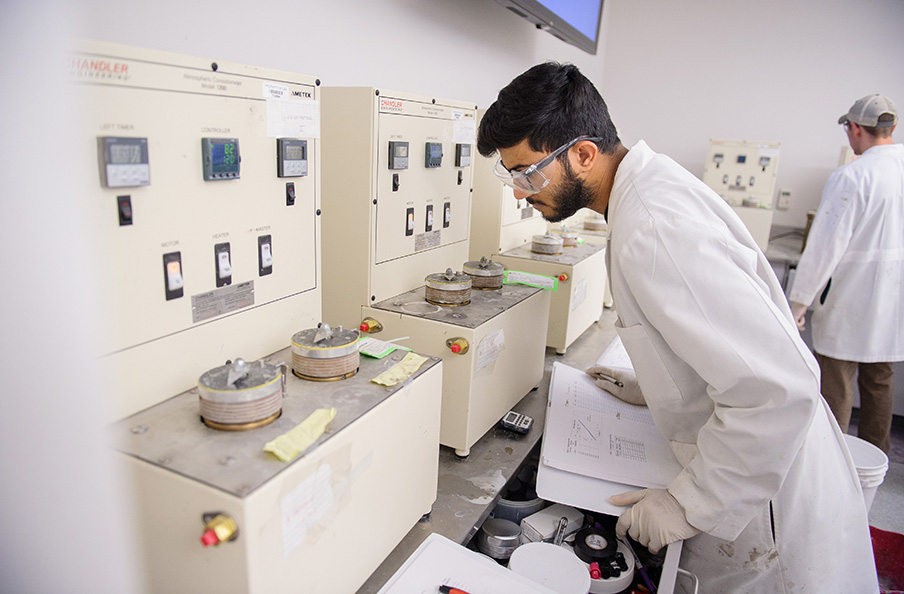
point(453, 49)
point(679, 73)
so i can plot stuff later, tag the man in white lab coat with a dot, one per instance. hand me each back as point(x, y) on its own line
point(854, 263)
point(768, 500)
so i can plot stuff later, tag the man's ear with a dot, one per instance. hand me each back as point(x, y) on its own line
point(584, 155)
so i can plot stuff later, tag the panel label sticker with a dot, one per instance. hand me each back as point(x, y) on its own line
point(513, 277)
point(293, 118)
point(306, 505)
point(211, 304)
point(489, 348)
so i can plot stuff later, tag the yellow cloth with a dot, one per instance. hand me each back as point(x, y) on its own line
point(400, 371)
point(289, 445)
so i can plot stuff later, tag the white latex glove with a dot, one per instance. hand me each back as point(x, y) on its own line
point(624, 387)
point(799, 311)
point(655, 520)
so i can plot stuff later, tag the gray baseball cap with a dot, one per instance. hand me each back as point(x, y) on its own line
point(866, 112)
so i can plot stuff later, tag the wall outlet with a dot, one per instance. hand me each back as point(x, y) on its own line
point(784, 199)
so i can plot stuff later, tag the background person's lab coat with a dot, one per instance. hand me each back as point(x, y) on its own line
point(857, 239)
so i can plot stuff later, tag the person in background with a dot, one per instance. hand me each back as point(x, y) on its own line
point(768, 499)
point(854, 264)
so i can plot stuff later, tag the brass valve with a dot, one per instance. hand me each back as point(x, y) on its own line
point(370, 326)
point(459, 346)
point(218, 528)
point(563, 277)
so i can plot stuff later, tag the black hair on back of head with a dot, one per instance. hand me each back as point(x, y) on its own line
point(549, 105)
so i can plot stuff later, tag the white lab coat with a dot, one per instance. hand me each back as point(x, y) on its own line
point(732, 386)
point(857, 239)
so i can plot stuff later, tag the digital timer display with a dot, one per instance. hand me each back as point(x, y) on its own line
point(291, 157)
point(123, 161)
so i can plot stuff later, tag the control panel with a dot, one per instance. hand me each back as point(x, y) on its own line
point(398, 193)
point(191, 155)
point(742, 172)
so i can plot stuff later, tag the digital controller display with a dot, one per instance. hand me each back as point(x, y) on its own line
point(221, 158)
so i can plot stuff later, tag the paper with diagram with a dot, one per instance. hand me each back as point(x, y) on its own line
point(593, 433)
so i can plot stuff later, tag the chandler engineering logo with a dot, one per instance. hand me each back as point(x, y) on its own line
point(85, 68)
point(390, 105)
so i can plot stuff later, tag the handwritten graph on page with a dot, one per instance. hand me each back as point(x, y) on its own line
point(590, 432)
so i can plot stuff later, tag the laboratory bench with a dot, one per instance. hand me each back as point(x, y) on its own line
point(783, 251)
point(468, 488)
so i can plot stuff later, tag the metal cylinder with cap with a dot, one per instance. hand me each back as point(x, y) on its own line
point(546, 244)
point(241, 395)
point(486, 275)
point(596, 222)
point(324, 354)
point(569, 237)
point(448, 288)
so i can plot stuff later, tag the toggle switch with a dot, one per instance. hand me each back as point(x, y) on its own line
point(290, 193)
point(428, 226)
point(395, 182)
point(124, 204)
point(264, 255)
point(447, 214)
point(172, 275)
point(223, 263)
point(409, 221)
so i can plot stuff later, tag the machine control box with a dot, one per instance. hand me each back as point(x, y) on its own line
point(742, 172)
point(201, 123)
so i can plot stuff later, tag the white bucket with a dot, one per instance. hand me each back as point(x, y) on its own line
point(871, 464)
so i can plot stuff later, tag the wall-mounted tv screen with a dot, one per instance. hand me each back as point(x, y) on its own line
point(573, 21)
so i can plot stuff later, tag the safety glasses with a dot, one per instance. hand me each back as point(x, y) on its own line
point(532, 179)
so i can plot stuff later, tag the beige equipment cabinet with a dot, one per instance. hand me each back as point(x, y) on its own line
point(507, 232)
point(744, 174)
point(501, 358)
point(578, 302)
point(395, 212)
point(194, 271)
point(319, 524)
point(390, 218)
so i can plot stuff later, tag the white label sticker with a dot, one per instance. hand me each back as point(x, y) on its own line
point(533, 280)
point(274, 91)
point(306, 505)
point(580, 293)
point(489, 348)
point(293, 119)
point(464, 131)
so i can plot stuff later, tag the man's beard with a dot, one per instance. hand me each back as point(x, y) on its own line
point(571, 196)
